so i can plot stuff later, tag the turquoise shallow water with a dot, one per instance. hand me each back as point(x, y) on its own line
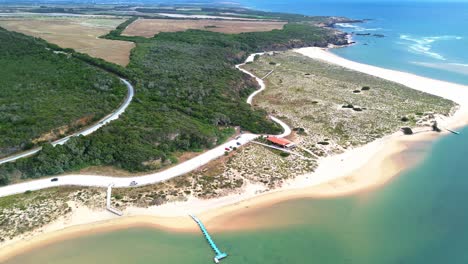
point(420, 217)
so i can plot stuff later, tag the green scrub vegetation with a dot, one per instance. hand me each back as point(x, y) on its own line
point(45, 94)
point(189, 96)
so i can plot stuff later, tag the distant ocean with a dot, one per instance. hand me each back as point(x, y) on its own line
point(428, 39)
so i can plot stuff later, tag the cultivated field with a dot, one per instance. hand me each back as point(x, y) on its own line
point(79, 33)
point(150, 27)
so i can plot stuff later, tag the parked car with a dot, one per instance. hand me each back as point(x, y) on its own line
point(133, 183)
point(227, 149)
point(54, 179)
point(238, 143)
point(238, 137)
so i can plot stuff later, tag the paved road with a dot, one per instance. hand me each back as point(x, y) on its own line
point(178, 170)
point(113, 116)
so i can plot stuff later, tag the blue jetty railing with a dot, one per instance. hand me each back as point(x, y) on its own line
point(219, 255)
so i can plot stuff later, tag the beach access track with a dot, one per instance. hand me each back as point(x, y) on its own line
point(108, 202)
point(126, 182)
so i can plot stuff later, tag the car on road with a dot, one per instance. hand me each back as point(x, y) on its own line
point(133, 183)
point(227, 149)
point(54, 179)
point(238, 143)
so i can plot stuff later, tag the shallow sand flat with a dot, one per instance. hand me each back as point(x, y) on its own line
point(359, 169)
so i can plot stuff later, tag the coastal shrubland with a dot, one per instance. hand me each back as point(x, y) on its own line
point(321, 102)
point(252, 165)
point(189, 96)
point(45, 94)
point(249, 165)
point(23, 213)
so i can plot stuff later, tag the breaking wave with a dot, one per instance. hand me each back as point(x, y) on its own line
point(355, 27)
point(423, 45)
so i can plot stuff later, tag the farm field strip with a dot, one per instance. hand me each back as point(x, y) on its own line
point(150, 27)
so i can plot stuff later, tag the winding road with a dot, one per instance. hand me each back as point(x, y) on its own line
point(178, 170)
point(113, 116)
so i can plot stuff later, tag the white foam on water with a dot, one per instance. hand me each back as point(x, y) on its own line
point(356, 27)
point(423, 45)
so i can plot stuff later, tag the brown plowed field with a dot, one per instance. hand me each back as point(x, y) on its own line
point(79, 33)
point(151, 27)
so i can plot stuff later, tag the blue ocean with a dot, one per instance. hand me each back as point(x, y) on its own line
point(428, 39)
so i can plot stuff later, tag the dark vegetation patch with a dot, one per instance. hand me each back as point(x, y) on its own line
point(407, 130)
point(41, 91)
point(357, 109)
point(188, 97)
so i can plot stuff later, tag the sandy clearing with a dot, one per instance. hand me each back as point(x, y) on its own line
point(150, 27)
point(81, 34)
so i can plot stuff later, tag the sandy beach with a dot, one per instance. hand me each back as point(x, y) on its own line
point(360, 169)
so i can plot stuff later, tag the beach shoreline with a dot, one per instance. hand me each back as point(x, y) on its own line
point(359, 169)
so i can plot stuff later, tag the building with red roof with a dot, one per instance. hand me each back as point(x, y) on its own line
point(282, 142)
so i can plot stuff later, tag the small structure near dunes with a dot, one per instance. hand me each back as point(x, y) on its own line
point(282, 142)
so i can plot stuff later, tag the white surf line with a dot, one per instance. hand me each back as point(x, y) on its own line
point(113, 116)
point(124, 182)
